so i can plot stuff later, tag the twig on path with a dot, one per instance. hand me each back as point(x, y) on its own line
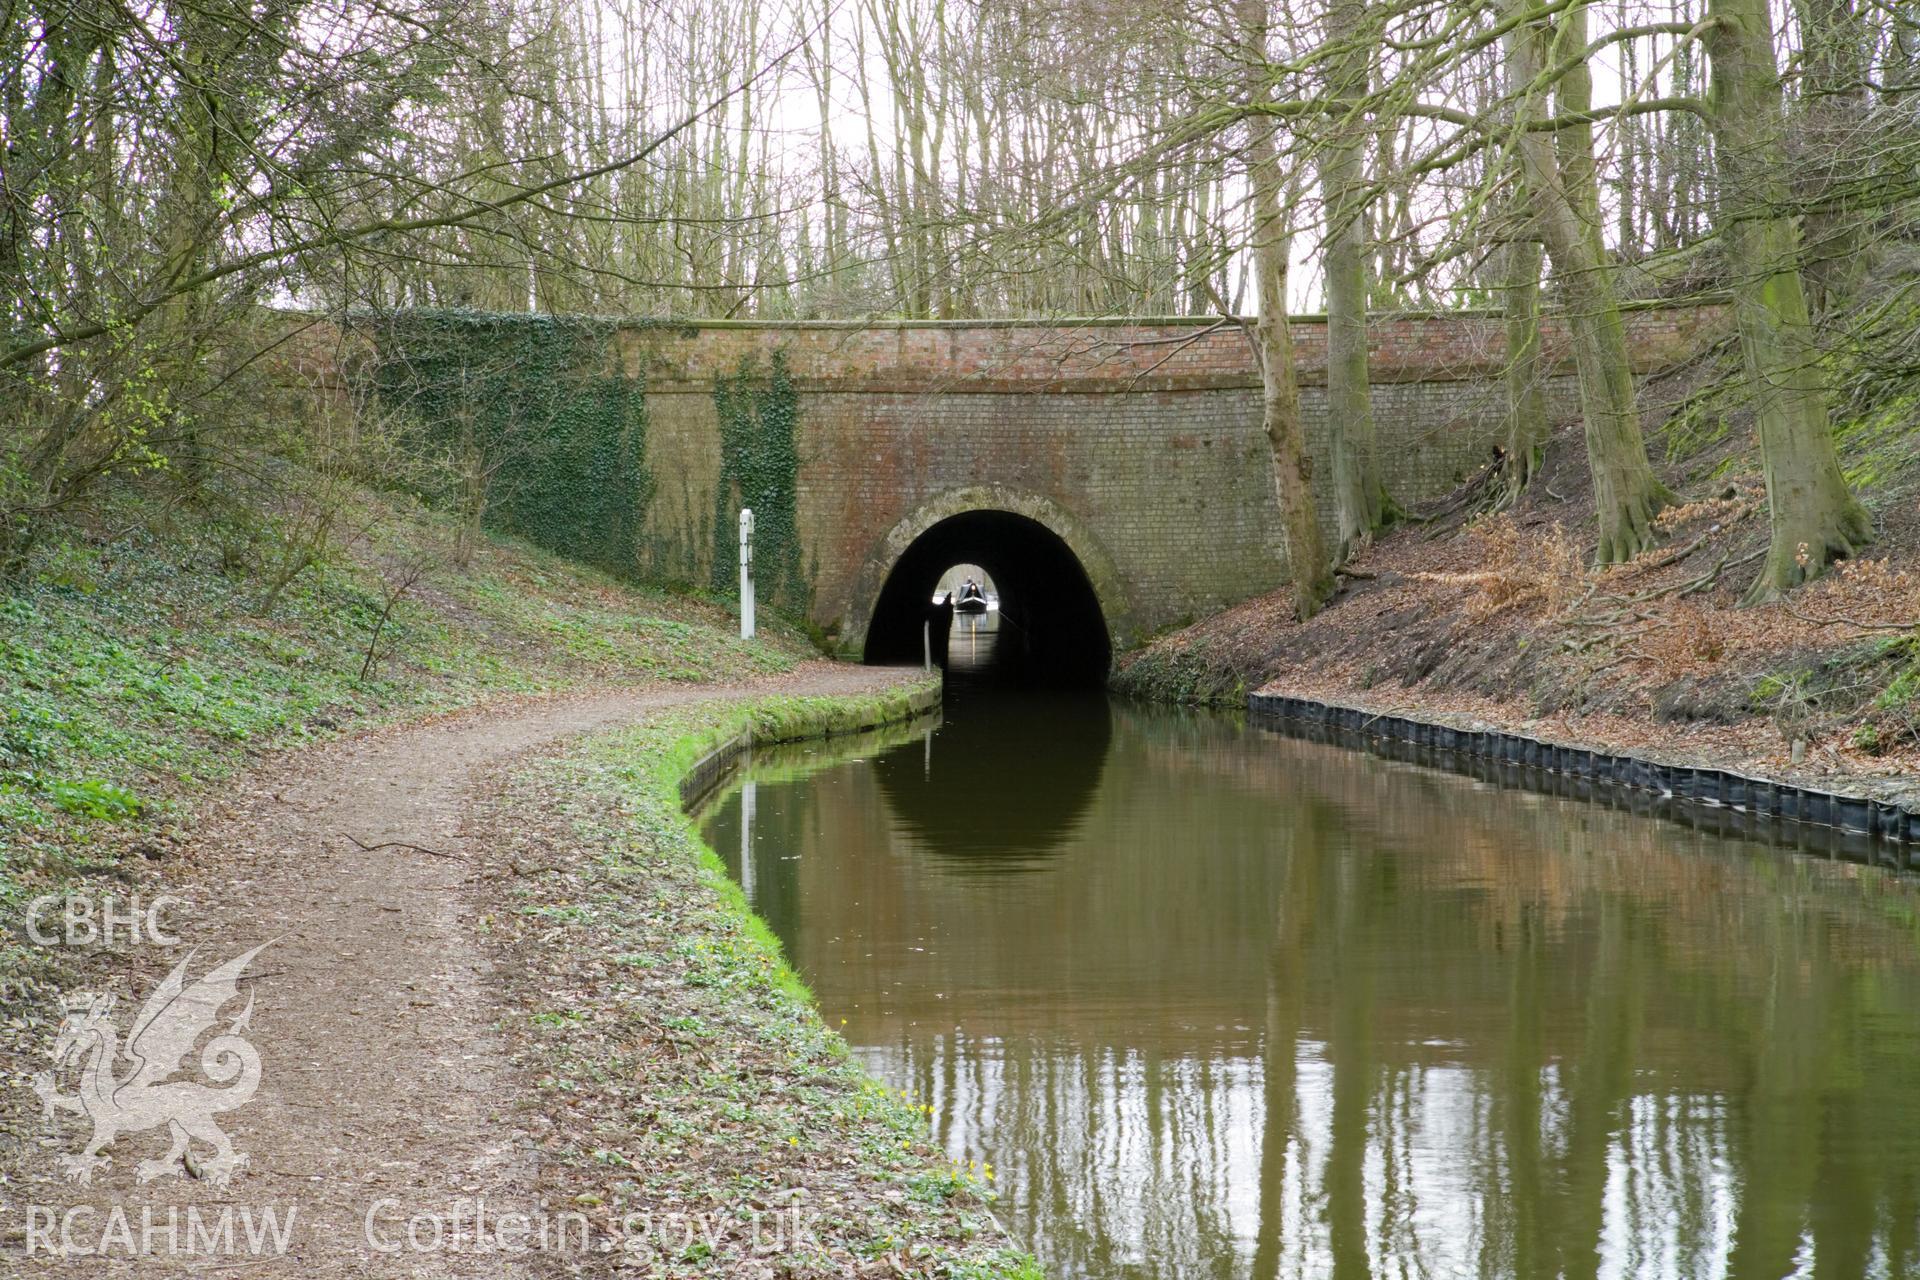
point(520, 869)
point(238, 1263)
point(673, 1041)
point(405, 844)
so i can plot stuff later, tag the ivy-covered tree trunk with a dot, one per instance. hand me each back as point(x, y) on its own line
point(1273, 342)
point(1813, 519)
point(1560, 179)
point(188, 215)
point(1361, 504)
point(45, 461)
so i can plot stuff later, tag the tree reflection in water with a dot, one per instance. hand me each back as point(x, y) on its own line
point(1267, 1007)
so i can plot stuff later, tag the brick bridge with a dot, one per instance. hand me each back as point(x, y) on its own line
point(1120, 465)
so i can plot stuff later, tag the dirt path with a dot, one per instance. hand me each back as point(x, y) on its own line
point(384, 1084)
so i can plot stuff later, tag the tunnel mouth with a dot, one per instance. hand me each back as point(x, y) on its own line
point(1048, 628)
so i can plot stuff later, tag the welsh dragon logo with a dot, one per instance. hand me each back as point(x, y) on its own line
point(144, 1095)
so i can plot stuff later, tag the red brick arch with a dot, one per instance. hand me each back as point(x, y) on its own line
point(1104, 576)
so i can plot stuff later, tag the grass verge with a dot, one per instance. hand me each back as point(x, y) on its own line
point(685, 1075)
point(139, 679)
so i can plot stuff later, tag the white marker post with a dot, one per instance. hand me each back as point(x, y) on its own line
point(746, 573)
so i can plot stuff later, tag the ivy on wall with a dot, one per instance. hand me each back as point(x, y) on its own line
point(760, 468)
point(532, 424)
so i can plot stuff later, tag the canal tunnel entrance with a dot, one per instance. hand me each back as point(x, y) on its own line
point(1047, 628)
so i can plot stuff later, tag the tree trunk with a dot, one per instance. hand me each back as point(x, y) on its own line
point(1280, 395)
point(1566, 206)
point(1813, 518)
point(474, 475)
point(188, 218)
point(1520, 267)
point(1526, 393)
point(1833, 116)
point(1361, 504)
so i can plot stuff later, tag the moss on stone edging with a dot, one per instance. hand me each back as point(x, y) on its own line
point(686, 1066)
point(786, 719)
point(699, 762)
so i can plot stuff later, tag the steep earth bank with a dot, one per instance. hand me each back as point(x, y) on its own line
point(1493, 618)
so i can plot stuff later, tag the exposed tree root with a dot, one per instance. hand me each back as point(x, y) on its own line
point(1628, 529)
point(1802, 551)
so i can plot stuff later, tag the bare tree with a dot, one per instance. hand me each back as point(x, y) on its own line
point(1273, 339)
point(1563, 191)
point(1814, 519)
point(1361, 504)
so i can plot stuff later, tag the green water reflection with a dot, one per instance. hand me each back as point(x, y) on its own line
point(1216, 1002)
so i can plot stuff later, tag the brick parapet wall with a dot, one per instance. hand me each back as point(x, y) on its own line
point(1134, 356)
point(1144, 435)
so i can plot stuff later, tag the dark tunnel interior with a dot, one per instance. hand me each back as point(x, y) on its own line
point(1050, 629)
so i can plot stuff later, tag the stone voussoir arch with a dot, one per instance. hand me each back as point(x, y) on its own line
point(1109, 588)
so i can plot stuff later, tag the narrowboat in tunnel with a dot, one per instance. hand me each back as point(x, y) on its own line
point(1041, 594)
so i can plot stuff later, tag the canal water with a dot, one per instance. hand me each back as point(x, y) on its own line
point(1217, 1002)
